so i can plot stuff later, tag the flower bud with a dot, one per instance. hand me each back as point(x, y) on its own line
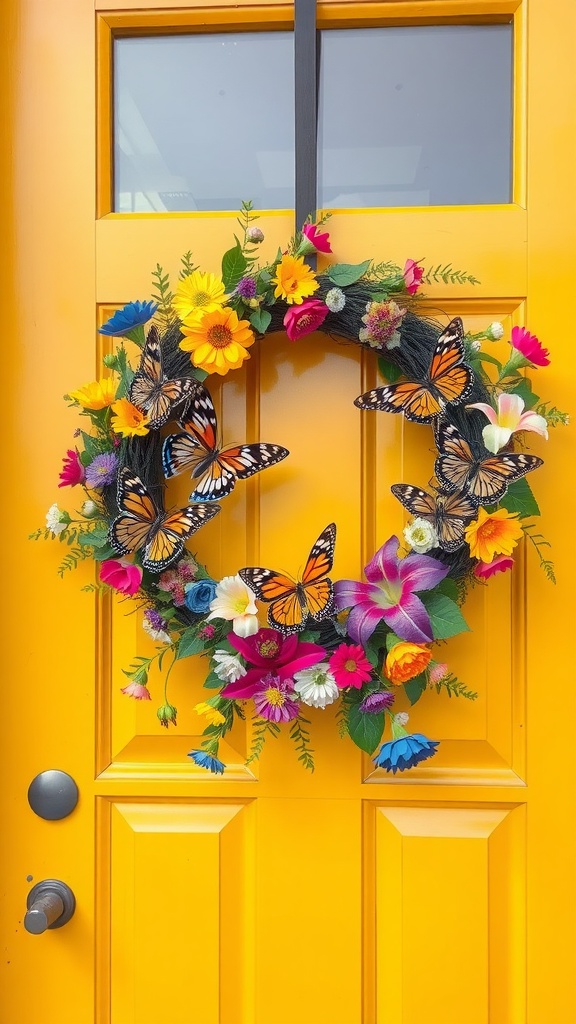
point(90, 509)
point(254, 235)
point(495, 331)
point(167, 714)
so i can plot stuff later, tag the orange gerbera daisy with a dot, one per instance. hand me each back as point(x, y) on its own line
point(218, 342)
point(294, 280)
point(493, 533)
point(128, 420)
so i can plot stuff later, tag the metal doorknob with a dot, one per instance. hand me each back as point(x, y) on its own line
point(50, 905)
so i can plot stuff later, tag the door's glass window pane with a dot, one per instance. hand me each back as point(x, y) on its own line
point(415, 116)
point(194, 126)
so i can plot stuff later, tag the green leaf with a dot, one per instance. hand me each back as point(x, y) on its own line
point(199, 374)
point(93, 446)
point(212, 682)
point(233, 267)
point(101, 554)
point(260, 320)
point(343, 274)
point(449, 588)
point(484, 357)
point(389, 371)
point(392, 639)
point(189, 644)
point(415, 688)
point(365, 730)
point(445, 616)
point(524, 389)
point(519, 498)
point(93, 539)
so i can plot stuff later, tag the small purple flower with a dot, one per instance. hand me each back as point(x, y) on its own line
point(378, 700)
point(274, 699)
point(246, 288)
point(102, 470)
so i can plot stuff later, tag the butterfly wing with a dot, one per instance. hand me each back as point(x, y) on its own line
point(318, 592)
point(167, 538)
point(281, 592)
point(137, 514)
point(412, 398)
point(484, 480)
point(448, 513)
point(150, 391)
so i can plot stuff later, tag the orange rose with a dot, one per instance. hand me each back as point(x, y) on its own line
point(404, 661)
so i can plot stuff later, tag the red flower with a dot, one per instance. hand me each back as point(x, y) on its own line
point(304, 319)
point(270, 652)
point(72, 472)
point(121, 575)
point(350, 666)
point(529, 346)
point(500, 563)
point(320, 240)
point(413, 275)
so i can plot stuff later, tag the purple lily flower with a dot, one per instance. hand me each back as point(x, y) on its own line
point(390, 594)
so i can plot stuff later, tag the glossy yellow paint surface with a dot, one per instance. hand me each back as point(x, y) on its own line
point(271, 896)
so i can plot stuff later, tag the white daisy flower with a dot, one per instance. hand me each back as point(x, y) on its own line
point(316, 686)
point(421, 536)
point(228, 667)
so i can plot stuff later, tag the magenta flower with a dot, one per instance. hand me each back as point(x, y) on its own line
point(500, 563)
point(274, 699)
point(320, 240)
point(268, 652)
point(529, 346)
point(391, 595)
point(412, 275)
point(350, 666)
point(304, 319)
point(122, 575)
point(72, 471)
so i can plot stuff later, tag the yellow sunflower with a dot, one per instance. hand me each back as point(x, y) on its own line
point(493, 533)
point(128, 420)
point(219, 342)
point(99, 394)
point(198, 294)
point(294, 280)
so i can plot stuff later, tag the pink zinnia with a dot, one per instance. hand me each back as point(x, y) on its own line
point(412, 275)
point(529, 346)
point(319, 239)
point(304, 319)
point(72, 471)
point(350, 666)
point(137, 690)
point(500, 563)
point(274, 699)
point(122, 575)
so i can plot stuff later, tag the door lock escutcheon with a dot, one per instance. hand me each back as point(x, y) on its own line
point(50, 904)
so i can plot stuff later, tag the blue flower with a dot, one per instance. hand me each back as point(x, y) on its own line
point(199, 595)
point(205, 760)
point(405, 752)
point(135, 314)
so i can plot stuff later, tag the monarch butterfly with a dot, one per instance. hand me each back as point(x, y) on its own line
point(485, 481)
point(150, 391)
point(291, 601)
point(448, 513)
point(214, 469)
point(449, 381)
point(141, 524)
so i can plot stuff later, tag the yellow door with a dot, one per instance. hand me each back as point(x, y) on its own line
point(270, 895)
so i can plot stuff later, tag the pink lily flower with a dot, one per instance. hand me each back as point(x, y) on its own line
point(391, 595)
point(509, 419)
point(319, 240)
point(270, 652)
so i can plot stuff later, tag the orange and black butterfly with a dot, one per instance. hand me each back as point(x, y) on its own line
point(449, 514)
point(150, 390)
point(486, 480)
point(448, 382)
point(141, 524)
point(292, 601)
point(215, 470)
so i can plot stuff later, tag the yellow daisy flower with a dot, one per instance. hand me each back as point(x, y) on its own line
point(294, 280)
point(493, 533)
point(128, 420)
point(97, 395)
point(213, 716)
point(198, 294)
point(219, 342)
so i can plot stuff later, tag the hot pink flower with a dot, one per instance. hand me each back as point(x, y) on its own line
point(275, 699)
point(529, 346)
point(500, 563)
point(413, 275)
point(137, 690)
point(304, 319)
point(270, 652)
point(124, 576)
point(350, 666)
point(72, 471)
point(320, 240)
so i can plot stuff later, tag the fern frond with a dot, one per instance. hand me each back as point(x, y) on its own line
point(448, 275)
point(262, 727)
point(301, 737)
point(539, 542)
point(454, 688)
point(162, 294)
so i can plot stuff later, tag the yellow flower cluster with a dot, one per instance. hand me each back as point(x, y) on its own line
point(216, 339)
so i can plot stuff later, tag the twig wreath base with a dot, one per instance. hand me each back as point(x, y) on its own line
point(278, 648)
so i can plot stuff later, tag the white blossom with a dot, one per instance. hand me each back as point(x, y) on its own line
point(316, 686)
point(421, 535)
point(228, 667)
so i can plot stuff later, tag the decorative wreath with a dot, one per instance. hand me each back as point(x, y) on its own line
point(353, 642)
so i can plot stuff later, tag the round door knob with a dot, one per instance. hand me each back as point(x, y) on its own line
point(50, 905)
point(53, 794)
